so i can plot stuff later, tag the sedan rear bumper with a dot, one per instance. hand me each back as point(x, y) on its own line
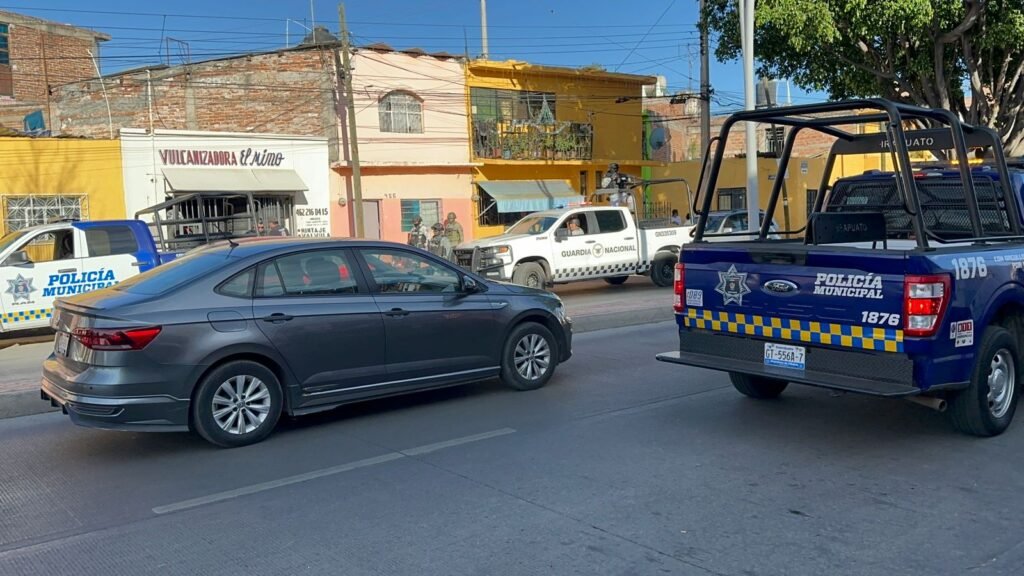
point(145, 413)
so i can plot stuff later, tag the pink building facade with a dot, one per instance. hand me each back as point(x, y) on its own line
point(413, 137)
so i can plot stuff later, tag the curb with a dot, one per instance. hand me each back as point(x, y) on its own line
point(28, 402)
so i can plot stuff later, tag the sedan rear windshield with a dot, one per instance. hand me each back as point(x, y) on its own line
point(175, 273)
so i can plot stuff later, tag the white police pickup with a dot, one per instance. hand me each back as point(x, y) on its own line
point(42, 263)
point(583, 243)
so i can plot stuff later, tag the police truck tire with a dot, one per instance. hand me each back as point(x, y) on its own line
point(529, 357)
point(530, 274)
point(663, 270)
point(757, 386)
point(616, 280)
point(987, 406)
point(251, 395)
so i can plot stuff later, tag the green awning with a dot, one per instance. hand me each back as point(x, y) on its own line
point(530, 195)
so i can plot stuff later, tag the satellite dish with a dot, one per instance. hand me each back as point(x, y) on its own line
point(657, 138)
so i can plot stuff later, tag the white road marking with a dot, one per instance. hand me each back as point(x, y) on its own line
point(312, 475)
point(455, 442)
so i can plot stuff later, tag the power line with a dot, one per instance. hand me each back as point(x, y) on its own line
point(282, 19)
point(656, 22)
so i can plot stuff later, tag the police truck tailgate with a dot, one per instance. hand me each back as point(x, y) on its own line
point(796, 312)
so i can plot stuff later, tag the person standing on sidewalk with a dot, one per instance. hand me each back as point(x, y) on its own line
point(418, 234)
point(453, 230)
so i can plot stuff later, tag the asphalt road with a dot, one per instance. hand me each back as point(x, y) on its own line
point(621, 465)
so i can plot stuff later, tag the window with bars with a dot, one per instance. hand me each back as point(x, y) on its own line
point(25, 211)
point(428, 210)
point(6, 79)
point(401, 112)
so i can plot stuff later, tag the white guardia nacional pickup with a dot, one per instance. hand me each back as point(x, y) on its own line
point(572, 244)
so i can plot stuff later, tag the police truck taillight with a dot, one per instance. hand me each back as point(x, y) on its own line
point(678, 286)
point(925, 299)
point(130, 339)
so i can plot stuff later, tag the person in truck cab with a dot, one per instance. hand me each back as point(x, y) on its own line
point(574, 228)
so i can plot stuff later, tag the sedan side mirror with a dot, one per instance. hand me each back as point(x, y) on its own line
point(561, 234)
point(19, 258)
point(470, 285)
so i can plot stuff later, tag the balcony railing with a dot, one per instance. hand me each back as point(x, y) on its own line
point(523, 140)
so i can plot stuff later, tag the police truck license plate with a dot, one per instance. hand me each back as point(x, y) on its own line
point(783, 356)
point(60, 347)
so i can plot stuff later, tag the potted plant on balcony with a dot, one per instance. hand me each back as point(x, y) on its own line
point(565, 143)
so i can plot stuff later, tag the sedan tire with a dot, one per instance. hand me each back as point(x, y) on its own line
point(237, 404)
point(529, 357)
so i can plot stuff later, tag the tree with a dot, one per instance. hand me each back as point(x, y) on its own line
point(963, 55)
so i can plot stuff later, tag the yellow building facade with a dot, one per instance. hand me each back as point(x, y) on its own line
point(43, 179)
point(559, 128)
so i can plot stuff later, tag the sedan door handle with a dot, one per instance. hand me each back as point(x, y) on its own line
point(630, 238)
point(396, 312)
point(278, 317)
point(590, 241)
point(67, 270)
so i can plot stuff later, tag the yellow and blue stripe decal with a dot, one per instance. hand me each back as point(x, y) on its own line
point(844, 335)
point(25, 315)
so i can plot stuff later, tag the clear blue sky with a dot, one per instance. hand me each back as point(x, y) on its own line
point(654, 37)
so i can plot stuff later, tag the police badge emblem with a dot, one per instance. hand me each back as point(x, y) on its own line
point(732, 285)
point(20, 288)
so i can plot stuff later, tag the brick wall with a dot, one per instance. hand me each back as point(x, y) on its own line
point(683, 141)
point(287, 92)
point(41, 56)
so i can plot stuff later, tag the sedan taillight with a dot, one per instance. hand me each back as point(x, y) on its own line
point(116, 339)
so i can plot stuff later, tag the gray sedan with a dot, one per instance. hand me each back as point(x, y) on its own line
point(226, 339)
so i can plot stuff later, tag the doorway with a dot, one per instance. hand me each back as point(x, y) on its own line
point(371, 219)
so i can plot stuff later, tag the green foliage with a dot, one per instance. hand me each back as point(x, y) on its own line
point(967, 56)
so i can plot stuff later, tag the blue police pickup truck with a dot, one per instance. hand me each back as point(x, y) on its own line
point(39, 264)
point(903, 284)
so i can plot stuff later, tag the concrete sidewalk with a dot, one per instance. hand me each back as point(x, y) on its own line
point(592, 306)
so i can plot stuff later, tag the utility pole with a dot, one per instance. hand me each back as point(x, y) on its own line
point(705, 82)
point(353, 138)
point(746, 13)
point(483, 29)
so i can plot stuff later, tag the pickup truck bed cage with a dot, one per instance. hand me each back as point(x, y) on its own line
point(189, 220)
point(981, 209)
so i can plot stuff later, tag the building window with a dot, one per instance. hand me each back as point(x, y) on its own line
point(810, 201)
point(6, 79)
point(732, 198)
point(508, 105)
point(401, 112)
point(583, 182)
point(428, 210)
point(24, 211)
point(775, 139)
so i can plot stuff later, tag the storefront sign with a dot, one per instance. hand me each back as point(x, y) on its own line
point(313, 222)
point(249, 157)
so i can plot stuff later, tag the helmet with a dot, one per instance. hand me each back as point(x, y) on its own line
point(451, 215)
point(416, 221)
point(437, 226)
point(613, 167)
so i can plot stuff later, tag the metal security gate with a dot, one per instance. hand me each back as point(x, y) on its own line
point(277, 207)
